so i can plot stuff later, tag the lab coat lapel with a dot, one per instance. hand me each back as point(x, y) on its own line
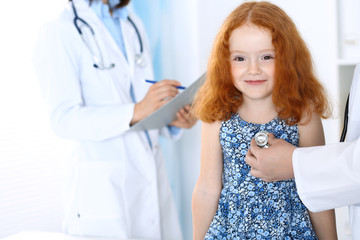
point(111, 52)
point(129, 36)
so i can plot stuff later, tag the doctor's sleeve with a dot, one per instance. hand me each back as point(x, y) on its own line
point(328, 176)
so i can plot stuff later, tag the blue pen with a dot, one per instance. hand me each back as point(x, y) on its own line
point(152, 81)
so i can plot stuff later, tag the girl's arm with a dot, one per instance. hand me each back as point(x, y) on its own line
point(208, 187)
point(312, 134)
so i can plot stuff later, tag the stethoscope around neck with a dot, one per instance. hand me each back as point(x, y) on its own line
point(99, 61)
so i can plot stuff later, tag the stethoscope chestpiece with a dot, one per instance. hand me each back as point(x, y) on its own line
point(261, 139)
point(140, 61)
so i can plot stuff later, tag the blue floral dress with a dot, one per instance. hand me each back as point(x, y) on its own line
point(250, 208)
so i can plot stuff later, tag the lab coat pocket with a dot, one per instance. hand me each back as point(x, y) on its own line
point(100, 189)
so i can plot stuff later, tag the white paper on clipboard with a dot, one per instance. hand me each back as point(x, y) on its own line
point(167, 113)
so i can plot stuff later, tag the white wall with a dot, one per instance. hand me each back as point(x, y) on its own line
point(30, 155)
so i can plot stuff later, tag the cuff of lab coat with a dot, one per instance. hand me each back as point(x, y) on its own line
point(175, 131)
point(171, 132)
point(299, 180)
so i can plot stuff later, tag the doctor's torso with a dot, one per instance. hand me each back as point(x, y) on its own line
point(118, 181)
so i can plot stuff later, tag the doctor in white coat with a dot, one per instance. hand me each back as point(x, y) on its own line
point(95, 88)
point(326, 177)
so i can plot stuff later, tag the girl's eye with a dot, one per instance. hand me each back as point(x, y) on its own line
point(240, 59)
point(267, 57)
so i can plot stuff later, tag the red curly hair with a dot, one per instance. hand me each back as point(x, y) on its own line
point(297, 92)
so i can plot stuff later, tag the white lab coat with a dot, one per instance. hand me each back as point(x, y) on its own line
point(329, 177)
point(118, 186)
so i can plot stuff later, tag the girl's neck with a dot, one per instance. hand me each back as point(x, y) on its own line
point(257, 111)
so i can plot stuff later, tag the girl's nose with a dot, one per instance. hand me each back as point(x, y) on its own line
point(254, 68)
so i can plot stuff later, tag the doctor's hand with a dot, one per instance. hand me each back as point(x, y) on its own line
point(184, 118)
point(158, 94)
point(273, 163)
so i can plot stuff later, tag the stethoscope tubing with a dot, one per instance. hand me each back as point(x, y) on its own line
point(77, 18)
point(137, 33)
point(102, 67)
point(346, 119)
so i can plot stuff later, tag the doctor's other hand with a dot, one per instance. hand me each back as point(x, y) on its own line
point(184, 118)
point(273, 163)
point(158, 94)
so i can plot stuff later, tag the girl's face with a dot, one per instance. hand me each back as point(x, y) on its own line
point(252, 59)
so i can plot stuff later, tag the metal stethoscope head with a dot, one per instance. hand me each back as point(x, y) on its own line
point(261, 139)
point(139, 60)
point(99, 61)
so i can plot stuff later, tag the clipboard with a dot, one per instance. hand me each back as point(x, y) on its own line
point(167, 113)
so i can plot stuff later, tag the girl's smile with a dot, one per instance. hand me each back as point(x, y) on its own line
point(255, 82)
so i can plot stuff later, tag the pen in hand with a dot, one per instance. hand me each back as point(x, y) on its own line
point(152, 81)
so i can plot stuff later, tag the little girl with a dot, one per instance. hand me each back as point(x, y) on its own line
point(260, 77)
